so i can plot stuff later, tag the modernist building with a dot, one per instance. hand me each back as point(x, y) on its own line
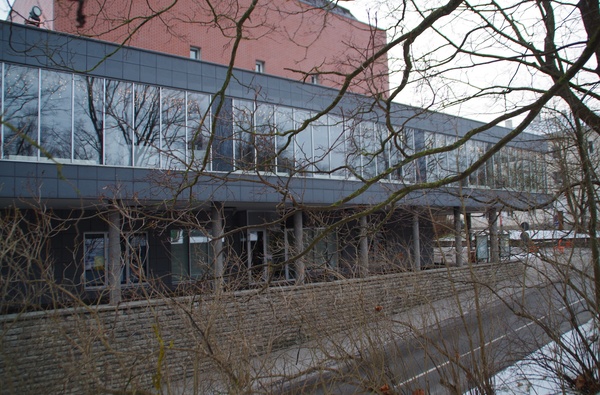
point(153, 175)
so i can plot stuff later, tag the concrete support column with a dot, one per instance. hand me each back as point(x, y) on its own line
point(494, 241)
point(363, 245)
point(416, 242)
point(217, 244)
point(299, 246)
point(114, 257)
point(458, 240)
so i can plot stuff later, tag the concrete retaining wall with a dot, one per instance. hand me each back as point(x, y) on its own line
point(107, 349)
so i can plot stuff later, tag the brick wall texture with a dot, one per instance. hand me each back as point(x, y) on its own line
point(96, 349)
point(292, 38)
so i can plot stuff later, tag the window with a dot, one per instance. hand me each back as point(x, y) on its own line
point(194, 53)
point(314, 79)
point(260, 66)
point(190, 255)
point(134, 258)
point(324, 254)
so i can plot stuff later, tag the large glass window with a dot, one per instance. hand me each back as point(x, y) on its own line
point(278, 269)
point(304, 144)
point(222, 149)
point(135, 265)
point(173, 129)
point(324, 254)
point(55, 114)
point(134, 258)
point(354, 147)
point(147, 126)
point(95, 259)
point(88, 120)
point(191, 255)
point(20, 111)
point(118, 123)
point(338, 148)
point(432, 160)
point(285, 139)
point(243, 121)
point(369, 149)
point(198, 131)
point(383, 144)
point(265, 130)
point(320, 131)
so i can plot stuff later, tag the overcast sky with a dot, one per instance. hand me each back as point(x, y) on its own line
point(4, 7)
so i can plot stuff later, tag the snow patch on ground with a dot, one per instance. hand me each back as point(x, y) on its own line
point(531, 377)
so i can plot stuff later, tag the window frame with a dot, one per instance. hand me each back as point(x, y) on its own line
point(126, 266)
point(195, 53)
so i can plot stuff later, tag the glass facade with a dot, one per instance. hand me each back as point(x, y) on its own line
point(91, 120)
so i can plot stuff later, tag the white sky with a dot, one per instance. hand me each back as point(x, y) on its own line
point(4, 7)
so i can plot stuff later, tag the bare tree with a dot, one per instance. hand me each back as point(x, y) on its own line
point(543, 54)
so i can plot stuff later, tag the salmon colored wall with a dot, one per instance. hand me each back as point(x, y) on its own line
point(287, 35)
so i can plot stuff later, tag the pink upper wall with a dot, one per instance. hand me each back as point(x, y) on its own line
point(21, 8)
point(290, 36)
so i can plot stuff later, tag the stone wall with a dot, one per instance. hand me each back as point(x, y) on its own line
point(107, 349)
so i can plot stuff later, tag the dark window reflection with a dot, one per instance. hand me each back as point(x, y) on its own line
point(285, 140)
point(223, 140)
point(147, 126)
point(88, 119)
point(243, 120)
point(173, 129)
point(198, 127)
point(55, 114)
point(265, 137)
point(119, 122)
point(20, 111)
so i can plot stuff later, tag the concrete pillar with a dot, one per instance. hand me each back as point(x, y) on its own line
point(363, 245)
point(416, 242)
point(458, 241)
point(217, 244)
point(494, 241)
point(114, 257)
point(299, 246)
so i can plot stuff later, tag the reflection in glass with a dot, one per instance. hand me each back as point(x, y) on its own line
point(320, 132)
point(337, 142)
point(95, 257)
point(222, 149)
point(432, 160)
point(304, 147)
point(88, 119)
point(118, 123)
point(20, 111)
point(173, 129)
point(265, 137)
point(136, 259)
point(285, 142)
point(147, 126)
point(353, 147)
point(383, 157)
point(55, 114)
point(243, 121)
point(198, 126)
point(369, 148)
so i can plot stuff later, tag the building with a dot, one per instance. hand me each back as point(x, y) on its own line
point(309, 40)
point(145, 173)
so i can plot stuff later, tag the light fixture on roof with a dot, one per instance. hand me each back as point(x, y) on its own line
point(34, 16)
